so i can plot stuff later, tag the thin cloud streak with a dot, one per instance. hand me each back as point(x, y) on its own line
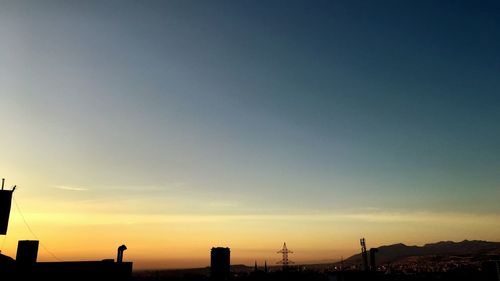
point(70, 188)
point(127, 219)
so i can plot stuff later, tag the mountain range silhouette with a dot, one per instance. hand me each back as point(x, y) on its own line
point(397, 252)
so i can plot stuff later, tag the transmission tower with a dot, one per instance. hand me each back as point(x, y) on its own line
point(285, 261)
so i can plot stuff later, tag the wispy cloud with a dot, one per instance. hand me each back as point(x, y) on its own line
point(222, 204)
point(71, 188)
point(395, 218)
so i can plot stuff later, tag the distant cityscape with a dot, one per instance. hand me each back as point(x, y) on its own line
point(466, 260)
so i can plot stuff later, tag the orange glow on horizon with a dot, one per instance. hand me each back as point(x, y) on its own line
point(182, 241)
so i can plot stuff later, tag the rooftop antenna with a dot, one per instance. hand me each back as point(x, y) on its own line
point(3, 182)
point(285, 261)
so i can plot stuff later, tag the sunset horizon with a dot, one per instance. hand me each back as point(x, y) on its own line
point(173, 127)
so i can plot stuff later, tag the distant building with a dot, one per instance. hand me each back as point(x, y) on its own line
point(220, 263)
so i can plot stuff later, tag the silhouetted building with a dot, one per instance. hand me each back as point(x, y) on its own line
point(27, 251)
point(76, 271)
point(220, 263)
point(27, 268)
point(373, 265)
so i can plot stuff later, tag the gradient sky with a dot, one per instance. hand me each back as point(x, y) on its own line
point(175, 126)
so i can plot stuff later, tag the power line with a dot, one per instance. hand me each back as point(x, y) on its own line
point(33, 233)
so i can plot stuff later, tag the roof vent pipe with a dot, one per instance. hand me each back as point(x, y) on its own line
point(119, 258)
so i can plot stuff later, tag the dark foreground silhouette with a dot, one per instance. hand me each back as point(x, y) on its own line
point(79, 270)
point(486, 274)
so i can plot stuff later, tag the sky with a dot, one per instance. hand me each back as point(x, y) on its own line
point(176, 126)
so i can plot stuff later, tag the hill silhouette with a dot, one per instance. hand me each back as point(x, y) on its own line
point(396, 252)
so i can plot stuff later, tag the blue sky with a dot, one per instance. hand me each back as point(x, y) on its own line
point(253, 107)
